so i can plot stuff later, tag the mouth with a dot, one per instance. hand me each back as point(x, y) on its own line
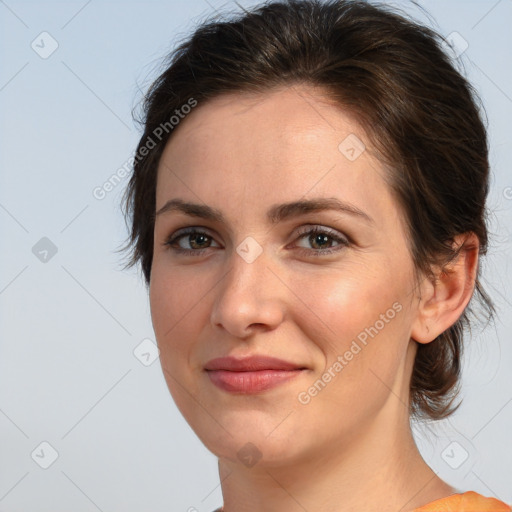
point(251, 374)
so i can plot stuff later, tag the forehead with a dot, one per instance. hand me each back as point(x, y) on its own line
point(276, 121)
point(269, 147)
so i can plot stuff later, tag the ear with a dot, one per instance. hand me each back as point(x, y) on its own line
point(443, 301)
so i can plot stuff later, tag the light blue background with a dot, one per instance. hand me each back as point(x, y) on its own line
point(68, 375)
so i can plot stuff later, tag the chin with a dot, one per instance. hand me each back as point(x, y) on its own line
point(251, 452)
point(250, 440)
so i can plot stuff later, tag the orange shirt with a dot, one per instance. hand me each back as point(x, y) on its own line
point(469, 501)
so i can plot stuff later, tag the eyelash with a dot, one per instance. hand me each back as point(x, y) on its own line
point(343, 242)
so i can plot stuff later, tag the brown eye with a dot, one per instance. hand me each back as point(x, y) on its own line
point(321, 241)
point(197, 241)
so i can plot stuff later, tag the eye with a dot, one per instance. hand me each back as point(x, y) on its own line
point(197, 240)
point(322, 239)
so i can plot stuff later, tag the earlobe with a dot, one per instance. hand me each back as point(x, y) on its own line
point(443, 300)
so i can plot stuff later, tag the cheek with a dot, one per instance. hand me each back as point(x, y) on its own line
point(175, 303)
point(344, 303)
point(359, 317)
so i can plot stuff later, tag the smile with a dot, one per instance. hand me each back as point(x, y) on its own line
point(251, 374)
point(250, 382)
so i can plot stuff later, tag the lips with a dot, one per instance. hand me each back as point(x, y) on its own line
point(250, 374)
point(252, 363)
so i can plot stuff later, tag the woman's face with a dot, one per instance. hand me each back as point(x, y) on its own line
point(337, 305)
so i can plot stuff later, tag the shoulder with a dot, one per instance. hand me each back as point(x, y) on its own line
point(469, 501)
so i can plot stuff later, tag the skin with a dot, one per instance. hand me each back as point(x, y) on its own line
point(350, 447)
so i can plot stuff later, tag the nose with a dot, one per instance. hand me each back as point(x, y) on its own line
point(250, 297)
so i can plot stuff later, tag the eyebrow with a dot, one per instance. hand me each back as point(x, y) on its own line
point(275, 214)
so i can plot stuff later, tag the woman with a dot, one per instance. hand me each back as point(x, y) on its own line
point(308, 207)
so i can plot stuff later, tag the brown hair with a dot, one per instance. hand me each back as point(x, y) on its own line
point(420, 113)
